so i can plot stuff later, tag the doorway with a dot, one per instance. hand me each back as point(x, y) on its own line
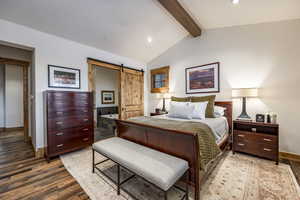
point(128, 90)
point(14, 96)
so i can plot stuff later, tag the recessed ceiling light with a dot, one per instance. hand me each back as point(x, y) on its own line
point(149, 39)
point(235, 1)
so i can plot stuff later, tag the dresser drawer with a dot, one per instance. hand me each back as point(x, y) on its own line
point(67, 111)
point(61, 105)
point(67, 96)
point(267, 150)
point(65, 143)
point(69, 122)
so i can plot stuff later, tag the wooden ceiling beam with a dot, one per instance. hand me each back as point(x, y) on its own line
point(182, 16)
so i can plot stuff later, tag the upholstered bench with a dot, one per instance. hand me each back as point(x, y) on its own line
point(160, 169)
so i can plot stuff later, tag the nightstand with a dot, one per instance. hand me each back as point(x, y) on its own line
point(155, 114)
point(260, 139)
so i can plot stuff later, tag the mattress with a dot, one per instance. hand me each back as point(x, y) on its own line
point(219, 126)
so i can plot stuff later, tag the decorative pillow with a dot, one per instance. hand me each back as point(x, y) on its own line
point(182, 110)
point(181, 99)
point(210, 106)
point(200, 109)
point(219, 111)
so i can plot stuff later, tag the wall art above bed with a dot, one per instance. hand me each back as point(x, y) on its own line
point(203, 79)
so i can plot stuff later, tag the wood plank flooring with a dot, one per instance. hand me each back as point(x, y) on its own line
point(22, 176)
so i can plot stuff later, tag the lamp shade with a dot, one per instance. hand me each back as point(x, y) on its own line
point(163, 95)
point(244, 92)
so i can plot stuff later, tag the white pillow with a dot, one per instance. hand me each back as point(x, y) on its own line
point(200, 109)
point(182, 110)
point(219, 111)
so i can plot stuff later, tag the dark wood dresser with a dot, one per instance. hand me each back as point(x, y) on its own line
point(68, 121)
point(260, 139)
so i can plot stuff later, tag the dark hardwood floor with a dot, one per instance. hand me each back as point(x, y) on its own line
point(22, 176)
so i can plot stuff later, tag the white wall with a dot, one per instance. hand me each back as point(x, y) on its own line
point(106, 79)
point(13, 96)
point(49, 49)
point(263, 55)
point(2, 91)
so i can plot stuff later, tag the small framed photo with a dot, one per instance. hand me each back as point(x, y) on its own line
point(63, 77)
point(203, 78)
point(260, 118)
point(108, 97)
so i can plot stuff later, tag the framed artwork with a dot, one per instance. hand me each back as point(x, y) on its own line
point(160, 80)
point(203, 79)
point(108, 96)
point(63, 77)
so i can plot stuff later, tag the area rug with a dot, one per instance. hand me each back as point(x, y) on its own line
point(236, 177)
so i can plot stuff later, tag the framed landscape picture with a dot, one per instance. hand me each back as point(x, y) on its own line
point(63, 77)
point(203, 79)
point(108, 96)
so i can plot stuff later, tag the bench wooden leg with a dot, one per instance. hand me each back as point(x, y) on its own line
point(93, 161)
point(118, 182)
point(187, 185)
point(166, 195)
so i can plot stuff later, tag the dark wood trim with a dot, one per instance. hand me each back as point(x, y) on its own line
point(14, 129)
point(63, 68)
point(9, 61)
point(182, 16)
point(203, 66)
point(289, 156)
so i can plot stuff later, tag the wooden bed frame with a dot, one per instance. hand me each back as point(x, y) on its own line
point(177, 143)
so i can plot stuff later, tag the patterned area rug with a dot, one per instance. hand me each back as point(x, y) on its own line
point(236, 177)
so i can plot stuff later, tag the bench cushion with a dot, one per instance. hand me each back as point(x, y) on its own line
point(159, 168)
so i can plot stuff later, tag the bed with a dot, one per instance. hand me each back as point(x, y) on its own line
point(182, 144)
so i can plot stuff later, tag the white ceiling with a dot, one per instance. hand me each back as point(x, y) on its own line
point(122, 26)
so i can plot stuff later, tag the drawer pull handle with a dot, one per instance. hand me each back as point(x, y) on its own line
point(59, 113)
point(253, 129)
point(85, 120)
point(265, 149)
point(85, 111)
point(268, 140)
point(59, 134)
point(85, 139)
point(240, 144)
point(241, 135)
point(86, 129)
point(60, 145)
point(59, 123)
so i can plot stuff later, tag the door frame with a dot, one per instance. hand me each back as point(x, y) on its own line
point(92, 64)
point(25, 65)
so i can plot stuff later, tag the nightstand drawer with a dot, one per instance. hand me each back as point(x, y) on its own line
point(267, 139)
point(267, 151)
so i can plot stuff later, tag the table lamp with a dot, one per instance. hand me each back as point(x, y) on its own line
point(244, 93)
point(164, 96)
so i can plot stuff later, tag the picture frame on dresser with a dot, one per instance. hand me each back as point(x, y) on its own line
point(63, 77)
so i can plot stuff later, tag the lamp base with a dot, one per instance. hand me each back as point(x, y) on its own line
point(244, 115)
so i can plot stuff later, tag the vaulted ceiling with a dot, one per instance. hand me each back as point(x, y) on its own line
point(123, 26)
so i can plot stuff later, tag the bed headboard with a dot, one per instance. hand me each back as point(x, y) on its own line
point(228, 111)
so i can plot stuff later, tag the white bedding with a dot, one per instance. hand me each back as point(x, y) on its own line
point(219, 125)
